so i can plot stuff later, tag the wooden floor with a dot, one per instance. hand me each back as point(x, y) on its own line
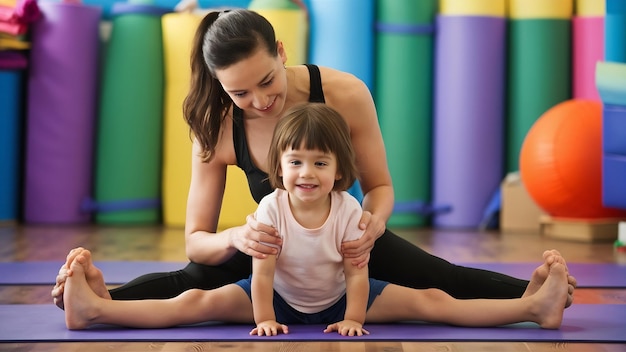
point(19, 243)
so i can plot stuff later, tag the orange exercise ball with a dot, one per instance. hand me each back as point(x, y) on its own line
point(561, 161)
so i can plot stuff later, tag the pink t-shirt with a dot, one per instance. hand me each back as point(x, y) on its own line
point(309, 269)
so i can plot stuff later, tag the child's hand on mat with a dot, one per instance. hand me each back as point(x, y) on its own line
point(347, 328)
point(256, 239)
point(360, 249)
point(269, 328)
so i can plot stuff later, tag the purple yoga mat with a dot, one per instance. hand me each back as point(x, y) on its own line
point(468, 116)
point(581, 323)
point(61, 109)
point(116, 272)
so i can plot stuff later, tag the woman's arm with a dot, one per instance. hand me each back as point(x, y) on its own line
point(204, 244)
point(352, 99)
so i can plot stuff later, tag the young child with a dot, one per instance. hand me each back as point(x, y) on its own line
point(311, 163)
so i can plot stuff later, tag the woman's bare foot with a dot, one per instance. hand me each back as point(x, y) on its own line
point(64, 273)
point(541, 273)
point(93, 275)
point(81, 303)
point(549, 300)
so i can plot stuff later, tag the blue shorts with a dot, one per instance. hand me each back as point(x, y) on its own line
point(286, 314)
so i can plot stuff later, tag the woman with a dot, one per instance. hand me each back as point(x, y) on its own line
point(239, 90)
point(311, 164)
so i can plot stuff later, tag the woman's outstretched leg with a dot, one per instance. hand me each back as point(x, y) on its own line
point(83, 307)
point(93, 276)
point(545, 307)
point(157, 285)
point(424, 270)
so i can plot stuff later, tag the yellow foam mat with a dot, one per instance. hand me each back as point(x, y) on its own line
point(527, 9)
point(8, 42)
point(238, 202)
point(590, 8)
point(178, 32)
point(495, 8)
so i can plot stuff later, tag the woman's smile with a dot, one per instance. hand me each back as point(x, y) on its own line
point(269, 106)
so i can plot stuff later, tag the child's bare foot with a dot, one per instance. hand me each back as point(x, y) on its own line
point(81, 308)
point(93, 276)
point(540, 275)
point(550, 298)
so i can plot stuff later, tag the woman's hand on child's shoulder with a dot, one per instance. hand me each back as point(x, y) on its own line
point(256, 239)
point(359, 250)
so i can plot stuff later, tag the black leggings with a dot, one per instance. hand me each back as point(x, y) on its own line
point(393, 259)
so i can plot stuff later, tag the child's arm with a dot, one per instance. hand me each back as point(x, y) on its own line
point(357, 294)
point(263, 297)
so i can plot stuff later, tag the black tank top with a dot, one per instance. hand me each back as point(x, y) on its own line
point(257, 179)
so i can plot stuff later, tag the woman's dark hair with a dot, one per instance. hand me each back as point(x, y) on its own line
point(222, 39)
point(313, 126)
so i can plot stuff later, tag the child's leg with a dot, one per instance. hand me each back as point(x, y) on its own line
point(545, 307)
point(84, 308)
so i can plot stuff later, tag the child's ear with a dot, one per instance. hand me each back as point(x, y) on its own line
point(338, 177)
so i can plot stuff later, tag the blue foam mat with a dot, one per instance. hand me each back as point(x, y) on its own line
point(581, 323)
point(118, 272)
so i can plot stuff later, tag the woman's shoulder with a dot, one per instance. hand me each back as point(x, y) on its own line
point(225, 147)
point(347, 94)
point(341, 82)
point(337, 78)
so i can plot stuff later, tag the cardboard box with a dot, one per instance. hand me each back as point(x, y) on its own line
point(518, 211)
point(580, 230)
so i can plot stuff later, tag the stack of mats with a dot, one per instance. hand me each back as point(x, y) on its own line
point(127, 187)
point(587, 47)
point(61, 110)
point(403, 95)
point(341, 36)
point(469, 109)
point(15, 20)
point(178, 31)
point(539, 66)
point(615, 31)
point(610, 78)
